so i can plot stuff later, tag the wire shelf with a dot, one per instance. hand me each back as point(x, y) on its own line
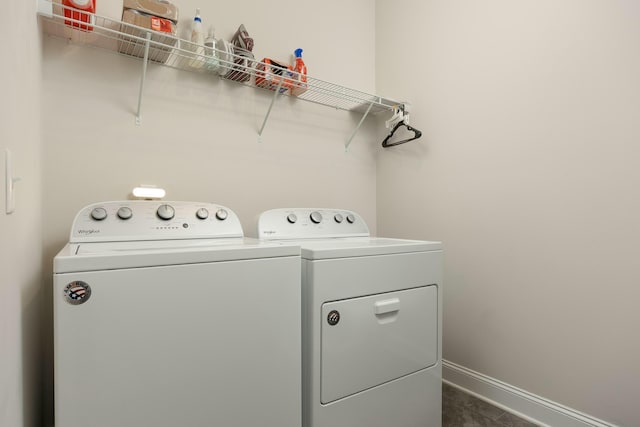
point(224, 60)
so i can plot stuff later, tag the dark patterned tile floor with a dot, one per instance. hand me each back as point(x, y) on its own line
point(460, 409)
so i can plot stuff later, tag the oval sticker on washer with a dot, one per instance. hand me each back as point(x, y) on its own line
point(77, 292)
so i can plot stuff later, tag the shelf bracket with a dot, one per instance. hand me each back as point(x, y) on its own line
point(143, 77)
point(273, 100)
point(346, 146)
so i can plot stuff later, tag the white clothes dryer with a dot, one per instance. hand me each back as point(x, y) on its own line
point(165, 316)
point(371, 321)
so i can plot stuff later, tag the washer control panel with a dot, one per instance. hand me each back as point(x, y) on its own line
point(132, 220)
point(309, 223)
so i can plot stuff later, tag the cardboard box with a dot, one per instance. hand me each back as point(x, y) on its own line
point(163, 33)
point(159, 8)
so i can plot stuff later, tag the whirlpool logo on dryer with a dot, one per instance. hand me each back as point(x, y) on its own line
point(89, 231)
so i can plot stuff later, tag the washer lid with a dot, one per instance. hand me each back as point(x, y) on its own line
point(117, 255)
point(361, 246)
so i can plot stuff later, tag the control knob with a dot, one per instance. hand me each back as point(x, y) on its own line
point(292, 218)
point(165, 212)
point(222, 214)
point(125, 213)
point(316, 217)
point(338, 218)
point(202, 213)
point(351, 218)
point(99, 214)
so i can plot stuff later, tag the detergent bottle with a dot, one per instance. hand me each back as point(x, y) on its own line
point(300, 79)
point(79, 10)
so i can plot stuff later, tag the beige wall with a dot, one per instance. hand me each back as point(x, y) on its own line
point(20, 232)
point(528, 171)
point(198, 138)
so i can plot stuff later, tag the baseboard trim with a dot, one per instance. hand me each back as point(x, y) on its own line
point(526, 405)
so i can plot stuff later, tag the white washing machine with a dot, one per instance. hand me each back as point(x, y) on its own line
point(371, 321)
point(165, 316)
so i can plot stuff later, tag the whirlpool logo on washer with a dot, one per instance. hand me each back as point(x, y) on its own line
point(89, 231)
point(77, 292)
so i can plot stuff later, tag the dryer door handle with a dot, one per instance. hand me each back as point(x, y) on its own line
point(386, 306)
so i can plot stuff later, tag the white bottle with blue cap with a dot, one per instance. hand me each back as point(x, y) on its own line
point(197, 38)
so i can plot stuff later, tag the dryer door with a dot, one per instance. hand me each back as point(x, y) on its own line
point(371, 340)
